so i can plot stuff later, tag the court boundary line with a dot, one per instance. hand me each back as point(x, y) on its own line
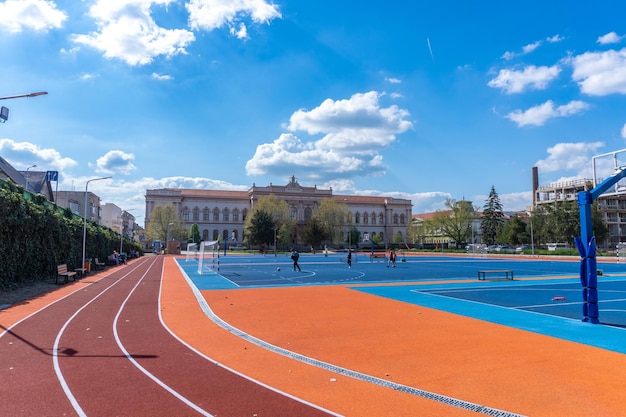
point(440, 398)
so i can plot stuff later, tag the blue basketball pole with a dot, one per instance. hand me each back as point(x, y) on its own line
point(586, 245)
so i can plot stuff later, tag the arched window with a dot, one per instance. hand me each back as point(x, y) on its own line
point(349, 218)
point(402, 219)
point(244, 214)
point(395, 219)
point(216, 215)
point(381, 219)
point(294, 213)
point(308, 212)
point(357, 218)
point(225, 235)
point(236, 235)
point(196, 214)
point(205, 234)
point(215, 234)
point(186, 214)
point(226, 214)
point(373, 218)
point(365, 218)
point(205, 215)
point(236, 215)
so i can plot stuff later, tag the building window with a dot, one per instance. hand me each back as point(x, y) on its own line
point(365, 218)
point(395, 219)
point(381, 218)
point(205, 215)
point(374, 218)
point(196, 214)
point(402, 219)
point(205, 235)
point(357, 218)
point(235, 236)
point(244, 214)
point(215, 234)
point(216, 216)
point(186, 214)
point(349, 218)
point(226, 214)
point(225, 235)
point(308, 212)
point(236, 215)
point(294, 213)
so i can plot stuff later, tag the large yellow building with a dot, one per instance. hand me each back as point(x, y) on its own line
point(221, 213)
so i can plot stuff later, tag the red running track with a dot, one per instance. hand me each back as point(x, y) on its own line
point(104, 351)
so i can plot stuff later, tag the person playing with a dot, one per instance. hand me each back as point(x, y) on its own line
point(294, 257)
point(349, 258)
point(391, 260)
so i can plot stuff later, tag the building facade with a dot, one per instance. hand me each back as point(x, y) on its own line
point(75, 202)
point(221, 213)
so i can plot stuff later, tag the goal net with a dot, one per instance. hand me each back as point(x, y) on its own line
point(192, 251)
point(208, 257)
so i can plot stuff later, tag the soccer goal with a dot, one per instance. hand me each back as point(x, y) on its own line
point(209, 257)
point(192, 251)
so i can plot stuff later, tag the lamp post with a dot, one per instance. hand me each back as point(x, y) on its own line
point(85, 223)
point(532, 237)
point(32, 166)
point(167, 236)
point(4, 111)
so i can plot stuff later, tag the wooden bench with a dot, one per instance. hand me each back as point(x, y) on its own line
point(377, 255)
point(508, 273)
point(98, 264)
point(63, 272)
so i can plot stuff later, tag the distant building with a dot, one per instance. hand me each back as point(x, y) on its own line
point(75, 202)
point(221, 213)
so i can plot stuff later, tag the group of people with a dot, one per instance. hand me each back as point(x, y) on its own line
point(391, 259)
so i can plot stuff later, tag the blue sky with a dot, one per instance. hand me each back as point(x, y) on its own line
point(418, 100)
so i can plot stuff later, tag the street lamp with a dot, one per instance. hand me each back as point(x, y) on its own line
point(532, 237)
point(32, 166)
point(4, 111)
point(85, 223)
point(167, 237)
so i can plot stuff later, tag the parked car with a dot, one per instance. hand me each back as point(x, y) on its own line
point(238, 246)
point(522, 248)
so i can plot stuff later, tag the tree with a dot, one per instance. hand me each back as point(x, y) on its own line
point(194, 234)
point(513, 232)
point(278, 211)
point(455, 223)
point(332, 216)
point(164, 218)
point(492, 217)
point(313, 233)
point(261, 228)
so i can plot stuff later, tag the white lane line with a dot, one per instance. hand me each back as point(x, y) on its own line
point(141, 368)
point(55, 349)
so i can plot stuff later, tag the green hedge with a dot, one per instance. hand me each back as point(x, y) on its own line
point(36, 236)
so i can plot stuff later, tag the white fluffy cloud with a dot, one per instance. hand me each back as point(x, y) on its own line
point(539, 115)
point(116, 161)
point(354, 132)
point(38, 15)
point(127, 31)
point(27, 154)
point(601, 73)
point(536, 78)
point(569, 156)
point(213, 14)
point(610, 37)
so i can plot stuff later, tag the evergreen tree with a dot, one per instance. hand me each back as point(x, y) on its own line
point(492, 218)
